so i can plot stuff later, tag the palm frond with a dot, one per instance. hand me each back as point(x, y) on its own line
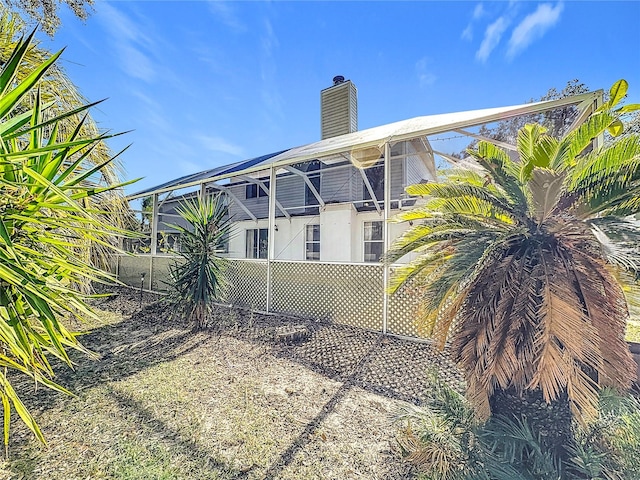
point(503, 171)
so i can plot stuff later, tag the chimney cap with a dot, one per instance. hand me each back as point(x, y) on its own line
point(338, 79)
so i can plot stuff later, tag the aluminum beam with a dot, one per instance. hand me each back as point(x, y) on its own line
point(236, 200)
point(154, 225)
point(504, 145)
point(386, 235)
point(367, 184)
point(264, 188)
point(306, 179)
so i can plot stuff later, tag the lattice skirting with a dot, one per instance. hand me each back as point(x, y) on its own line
point(344, 293)
point(350, 294)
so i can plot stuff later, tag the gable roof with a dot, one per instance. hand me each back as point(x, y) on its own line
point(373, 137)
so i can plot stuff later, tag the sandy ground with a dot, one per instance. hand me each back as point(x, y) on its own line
point(243, 400)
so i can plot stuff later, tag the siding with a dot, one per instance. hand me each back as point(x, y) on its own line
point(339, 110)
point(416, 171)
point(397, 178)
point(259, 206)
point(290, 193)
point(336, 185)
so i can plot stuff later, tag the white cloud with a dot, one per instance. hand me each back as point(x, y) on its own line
point(270, 92)
point(425, 76)
point(219, 144)
point(492, 36)
point(478, 12)
point(186, 167)
point(533, 27)
point(467, 33)
point(225, 13)
point(129, 42)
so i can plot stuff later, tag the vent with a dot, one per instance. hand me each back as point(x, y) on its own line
point(339, 108)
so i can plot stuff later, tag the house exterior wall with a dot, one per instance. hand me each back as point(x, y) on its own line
point(341, 234)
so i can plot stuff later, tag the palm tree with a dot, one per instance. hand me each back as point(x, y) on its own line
point(45, 12)
point(523, 265)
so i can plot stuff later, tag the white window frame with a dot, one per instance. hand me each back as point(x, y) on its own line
point(372, 241)
point(254, 251)
point(310, 241)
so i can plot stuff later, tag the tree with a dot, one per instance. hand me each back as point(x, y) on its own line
point(45, 12)
point(557, 121)
point(64, 100)
point(445, 441)
point(197, 280)
point(524, 264)
point(45, 178)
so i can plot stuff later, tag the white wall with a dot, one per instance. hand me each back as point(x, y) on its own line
point(341, 234)
point(336, 221)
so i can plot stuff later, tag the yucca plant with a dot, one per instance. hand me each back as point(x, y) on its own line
point(197, 280)
point(524, 264)
point(44, 178)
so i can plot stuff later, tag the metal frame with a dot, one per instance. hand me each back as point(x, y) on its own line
point(418, 137)
point(356, 142)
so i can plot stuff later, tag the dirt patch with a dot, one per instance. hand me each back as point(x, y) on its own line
point(232, 402)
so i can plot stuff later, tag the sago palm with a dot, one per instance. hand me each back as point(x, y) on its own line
point(197, 280)
point(45, 176)
point(527, 263)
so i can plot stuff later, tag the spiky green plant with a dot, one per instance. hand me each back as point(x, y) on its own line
point(61, 95)
point(197, 280)
point(45, 176)
point(440, 438)
point(525, 263)
point(446, 440)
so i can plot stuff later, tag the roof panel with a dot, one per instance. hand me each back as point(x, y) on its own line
point(377, 136)
point(214, 172)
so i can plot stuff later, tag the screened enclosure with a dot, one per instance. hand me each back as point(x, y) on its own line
point(311, 224)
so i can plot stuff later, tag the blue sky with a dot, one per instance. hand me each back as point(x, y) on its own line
point(204, 83)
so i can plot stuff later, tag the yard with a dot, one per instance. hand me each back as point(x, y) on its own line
point(164, 403)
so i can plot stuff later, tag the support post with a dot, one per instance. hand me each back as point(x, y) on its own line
point(154, 237)
point(271, 236)
point(154, 225)
point(599, 140)
point(386, 235)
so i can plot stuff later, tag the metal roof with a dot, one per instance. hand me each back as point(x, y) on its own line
point(196, 177)
point(373, 137)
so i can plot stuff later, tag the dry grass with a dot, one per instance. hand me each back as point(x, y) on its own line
point(633, 331)
point(164, 403)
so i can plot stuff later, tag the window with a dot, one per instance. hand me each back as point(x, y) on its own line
point(373, 241)
point(310, 199)
point(253, 190)
point(375, 175)
point(257, 243)
point(312, 242)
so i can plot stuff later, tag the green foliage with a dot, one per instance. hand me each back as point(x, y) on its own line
point(530, 262)
point(446, 441)
point(45, 228)
point(197, 280)
point(441, 438)
point(61, 97)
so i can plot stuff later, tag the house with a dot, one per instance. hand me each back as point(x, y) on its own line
point(311, 222)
